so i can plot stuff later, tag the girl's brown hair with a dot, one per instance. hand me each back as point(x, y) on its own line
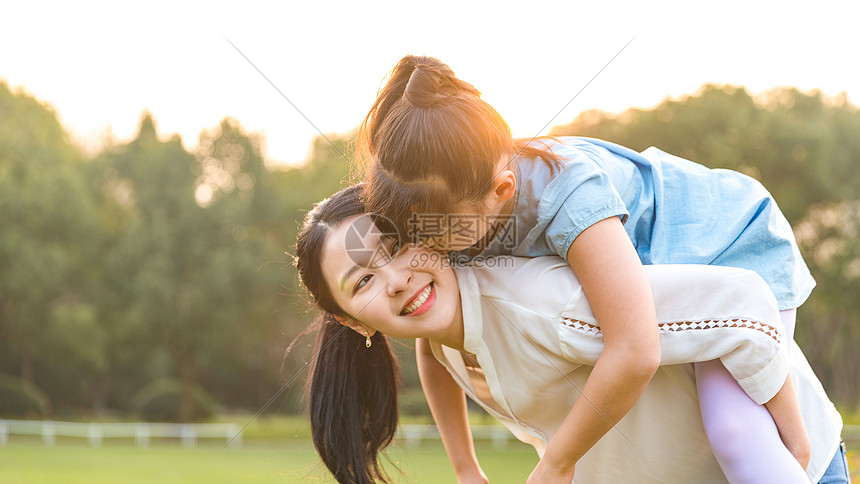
point(430, 143)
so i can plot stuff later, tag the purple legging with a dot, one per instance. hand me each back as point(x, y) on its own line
point(742, 434)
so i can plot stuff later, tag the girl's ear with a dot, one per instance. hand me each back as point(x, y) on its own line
point(504, 185)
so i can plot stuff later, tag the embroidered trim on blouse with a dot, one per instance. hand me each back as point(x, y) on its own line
point(676, 326)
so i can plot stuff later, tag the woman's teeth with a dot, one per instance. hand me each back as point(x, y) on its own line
point(421, 299)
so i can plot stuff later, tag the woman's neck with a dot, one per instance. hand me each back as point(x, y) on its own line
point(455, 335)
point(499, 221)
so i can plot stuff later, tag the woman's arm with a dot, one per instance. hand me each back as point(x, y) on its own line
point(784, 407)
point(447, 403)
point(612, 278)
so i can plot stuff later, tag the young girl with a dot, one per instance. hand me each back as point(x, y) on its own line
point(519, 351)
point(444, 168)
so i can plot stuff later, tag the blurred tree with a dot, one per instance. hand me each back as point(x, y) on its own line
point(829, 236)
point(150, 270)
point(238, 191)
point(190, 261)
point(47, 246)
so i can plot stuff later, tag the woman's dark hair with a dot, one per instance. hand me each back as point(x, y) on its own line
point(352, 389)
point(430, 142)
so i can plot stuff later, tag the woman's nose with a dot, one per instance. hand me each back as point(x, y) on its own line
point(399, 279)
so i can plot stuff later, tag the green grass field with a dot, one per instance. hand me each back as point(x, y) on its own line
point(289, 462)
point(276, 450)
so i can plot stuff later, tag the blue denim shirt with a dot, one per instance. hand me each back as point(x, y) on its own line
point(674, 210)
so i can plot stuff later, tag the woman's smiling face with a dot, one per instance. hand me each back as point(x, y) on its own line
point(405, 292)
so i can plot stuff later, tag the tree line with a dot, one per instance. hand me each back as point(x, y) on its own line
point(148, 275)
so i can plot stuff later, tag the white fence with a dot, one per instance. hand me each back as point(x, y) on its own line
point(412, 435)
point(187, 434)
point(141, 432)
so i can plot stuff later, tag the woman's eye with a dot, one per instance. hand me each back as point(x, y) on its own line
point(393, 245)
point(396, 246)
point(361, 283)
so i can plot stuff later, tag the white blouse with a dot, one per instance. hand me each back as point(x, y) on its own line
point(531, 330)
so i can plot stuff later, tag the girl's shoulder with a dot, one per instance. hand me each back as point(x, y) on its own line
point(564, 152)
point(575, 150)
point(560, 145)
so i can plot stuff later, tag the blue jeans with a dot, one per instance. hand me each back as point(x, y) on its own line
point(837, 471)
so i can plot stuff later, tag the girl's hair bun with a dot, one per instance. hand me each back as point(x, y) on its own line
point(431, 81)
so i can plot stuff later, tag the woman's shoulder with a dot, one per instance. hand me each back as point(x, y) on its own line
point(541, 284)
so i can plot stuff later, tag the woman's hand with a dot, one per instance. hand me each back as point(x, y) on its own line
point(784, 407)
point(474, 476)
point(801, 449)
point(544, 473)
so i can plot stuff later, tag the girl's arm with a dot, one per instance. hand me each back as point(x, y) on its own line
point(612, 278)
point(719, 313)
point(447, 403)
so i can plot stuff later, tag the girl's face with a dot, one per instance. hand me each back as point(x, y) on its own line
point(461, 229)
point(405, 292)
point(470, 222)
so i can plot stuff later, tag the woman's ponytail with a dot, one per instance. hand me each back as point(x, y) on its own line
point(353, 401)
point(352, 389)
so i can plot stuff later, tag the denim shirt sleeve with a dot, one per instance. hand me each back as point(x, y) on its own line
point(576, 198)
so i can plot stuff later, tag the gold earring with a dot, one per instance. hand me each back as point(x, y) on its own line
point(367, 341)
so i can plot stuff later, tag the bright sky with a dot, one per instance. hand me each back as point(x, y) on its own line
point(101, 64)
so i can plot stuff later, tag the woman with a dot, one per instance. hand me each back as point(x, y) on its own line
point(520, 350)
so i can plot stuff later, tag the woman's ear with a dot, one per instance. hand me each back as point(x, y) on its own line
point(354, 325)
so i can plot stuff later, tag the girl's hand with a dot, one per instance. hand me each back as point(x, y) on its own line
point(543, 473)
